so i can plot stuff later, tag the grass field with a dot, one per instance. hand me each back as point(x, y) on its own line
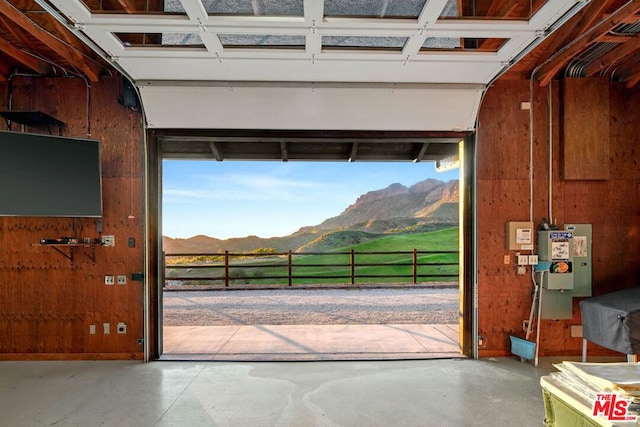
point(375, 262)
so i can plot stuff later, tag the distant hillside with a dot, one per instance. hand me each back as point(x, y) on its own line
point(425, 206)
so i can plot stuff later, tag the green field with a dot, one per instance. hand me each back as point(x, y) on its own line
point(334, 266)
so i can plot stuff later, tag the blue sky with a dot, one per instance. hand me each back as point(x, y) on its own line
point(267, 199)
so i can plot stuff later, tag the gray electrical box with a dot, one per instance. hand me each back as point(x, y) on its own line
point(556, 305)
point(556, 247)
point(582, 259)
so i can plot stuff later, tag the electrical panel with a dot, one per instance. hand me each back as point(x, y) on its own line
point(556, 247)
point(582, 259)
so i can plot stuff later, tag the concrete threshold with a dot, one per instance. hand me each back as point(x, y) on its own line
point(311, 342)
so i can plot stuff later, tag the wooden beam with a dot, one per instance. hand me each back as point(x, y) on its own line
point(614, 38)
point(25, 59)
point(576, 26)
point(4, 72)
point(613, 56)
point(69, 53)
point(549, 70)
point(631, 19)
point(633, 78)
point(128, 6)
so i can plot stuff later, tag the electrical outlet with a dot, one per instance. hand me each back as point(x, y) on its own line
point(482, 342)
point(106, 328)
point(109, 280)
point(575, 331)
point(507, 259)
point(521, 269)
point(523, 260)
point(122, 280)
point(121, 328)
point(92, 329)
point(533, 259)
point(109, 240)
point(525, 325)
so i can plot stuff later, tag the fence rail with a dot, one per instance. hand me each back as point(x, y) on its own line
point(224, 268)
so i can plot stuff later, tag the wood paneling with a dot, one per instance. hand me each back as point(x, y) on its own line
point(612, 206)
point(585, 124)
point(47, 302)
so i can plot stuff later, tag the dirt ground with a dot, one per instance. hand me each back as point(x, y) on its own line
point(312, 307)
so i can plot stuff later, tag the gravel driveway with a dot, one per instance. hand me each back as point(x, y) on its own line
point(312, 307)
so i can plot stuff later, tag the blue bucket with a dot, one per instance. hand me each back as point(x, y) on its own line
point(523, 348)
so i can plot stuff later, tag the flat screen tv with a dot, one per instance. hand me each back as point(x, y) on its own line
point(49, 176)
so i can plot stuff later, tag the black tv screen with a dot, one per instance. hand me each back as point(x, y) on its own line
point(49, 176)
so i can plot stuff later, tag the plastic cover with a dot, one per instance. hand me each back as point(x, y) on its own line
point(613, 320)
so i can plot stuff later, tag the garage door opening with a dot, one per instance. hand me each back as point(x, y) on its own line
point(368, 270)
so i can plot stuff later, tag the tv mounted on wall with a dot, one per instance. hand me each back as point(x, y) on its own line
point(49, 176)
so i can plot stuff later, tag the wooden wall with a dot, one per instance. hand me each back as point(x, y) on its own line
point(612, 205)
point(46, 302)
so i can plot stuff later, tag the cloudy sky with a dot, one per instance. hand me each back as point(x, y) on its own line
point(267, 199)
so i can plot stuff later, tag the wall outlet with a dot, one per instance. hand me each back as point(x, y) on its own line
point(109, 240)
point(92, 329)
point(521, 269)
point(523, 260)
point(507, 259)
point(525, 325)
point(122, 280)
point(109, 280)
point(575, 331)
point(482, 342)
point(106, 328)
point(121, 328)
point(533, 259)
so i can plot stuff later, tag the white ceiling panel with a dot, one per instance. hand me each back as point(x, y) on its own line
point(234, 105)
point(206, 42)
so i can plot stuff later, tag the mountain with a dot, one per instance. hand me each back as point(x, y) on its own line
point(427, 205)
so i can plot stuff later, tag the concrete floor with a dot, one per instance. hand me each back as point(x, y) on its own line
point(310, 342)
point(448, 392)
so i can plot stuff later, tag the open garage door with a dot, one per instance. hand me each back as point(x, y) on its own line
point(442, 148)
point(311, 65)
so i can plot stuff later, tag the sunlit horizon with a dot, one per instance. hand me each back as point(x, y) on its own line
point(272, 199)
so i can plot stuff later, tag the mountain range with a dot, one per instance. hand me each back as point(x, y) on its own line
point(425, 206)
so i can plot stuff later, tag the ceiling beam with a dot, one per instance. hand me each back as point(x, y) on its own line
point(575, 27)
point(634, 77)
point(216, 150)
point(615, 38)
point(127, 5)
point(25, 59)
point(69, 53)
point(558, 61)
point(4, 72)
point(613, 56)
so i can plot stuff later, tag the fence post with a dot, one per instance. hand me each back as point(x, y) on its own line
point(415, 266)
point(289, 266)
point(353, 267)
point(226, 269)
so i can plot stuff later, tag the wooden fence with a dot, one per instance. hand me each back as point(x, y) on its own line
point(291, 267)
